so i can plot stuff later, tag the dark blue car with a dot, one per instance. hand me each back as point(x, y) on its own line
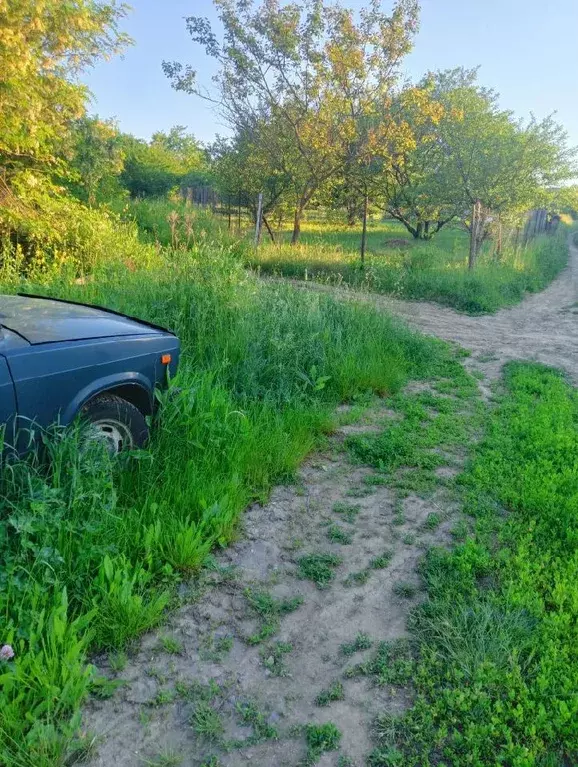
point(60, 360)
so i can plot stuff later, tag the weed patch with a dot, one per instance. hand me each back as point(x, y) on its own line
point(251, 716)
point(392, 664)
point(348, 510)
point(321, 738)
point(270, 611)
point(273, 658)
point(337, 534)
point(361, 642)
point(331, 694)
point(319, 568)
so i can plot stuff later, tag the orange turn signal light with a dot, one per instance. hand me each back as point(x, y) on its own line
point(166, 358)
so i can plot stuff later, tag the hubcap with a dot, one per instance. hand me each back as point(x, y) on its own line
point(115, 435)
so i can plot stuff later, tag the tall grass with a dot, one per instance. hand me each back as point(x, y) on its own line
point(92, 549)
point(435, 271)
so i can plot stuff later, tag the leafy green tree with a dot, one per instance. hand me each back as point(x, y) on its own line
point(417, 188)
point(246, 166)
point(308, 68)
point(44, 46)
point(498, 165)
point(152, 169)
point(97, 159)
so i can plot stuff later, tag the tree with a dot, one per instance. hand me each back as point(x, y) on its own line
point(307, 68)
point(97, 159)
point(245, 167)
point(168, 160)
point(417, 189)
point(44, 47)
point(499, 166)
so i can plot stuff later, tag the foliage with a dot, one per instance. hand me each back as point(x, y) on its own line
point(298, 78)
point(44, 47)
point(54, 236)
point(498, 667)
point(97, 160)
point(321, 738)
point(91, 549)
point(152, 169)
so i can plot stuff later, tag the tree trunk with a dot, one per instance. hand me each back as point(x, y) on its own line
point(364, 230)
point(351, 212)
point(419, 231)
point(297, 223)
point(426, 231)
point(269, 230)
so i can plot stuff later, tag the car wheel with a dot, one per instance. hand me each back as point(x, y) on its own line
point(115, 422)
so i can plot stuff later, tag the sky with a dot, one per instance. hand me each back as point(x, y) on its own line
point(527, 50)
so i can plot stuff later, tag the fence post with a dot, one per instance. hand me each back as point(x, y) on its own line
point(364, 230)
point(258, 222)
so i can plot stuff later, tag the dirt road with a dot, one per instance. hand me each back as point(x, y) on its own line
point(543, 328)
point(322, 577)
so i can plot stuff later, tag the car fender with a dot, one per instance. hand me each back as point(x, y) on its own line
point(102, 385)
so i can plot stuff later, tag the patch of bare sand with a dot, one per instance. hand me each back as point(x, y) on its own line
point(134, 726)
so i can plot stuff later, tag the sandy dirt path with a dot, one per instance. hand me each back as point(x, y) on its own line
point(236, 675)
point(543, 328)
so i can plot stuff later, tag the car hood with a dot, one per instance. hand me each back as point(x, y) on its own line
point(44, 320)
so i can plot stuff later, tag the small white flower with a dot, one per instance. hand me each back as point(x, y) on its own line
point(6, 652)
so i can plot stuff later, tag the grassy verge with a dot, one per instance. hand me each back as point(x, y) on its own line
point(91, 551)
point(435, 271)
point(497, 672)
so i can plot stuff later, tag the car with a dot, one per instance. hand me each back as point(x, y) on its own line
point(60, 360)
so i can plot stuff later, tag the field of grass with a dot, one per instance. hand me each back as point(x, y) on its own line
point(497, 640)
point(405, 268)
point(92, 550)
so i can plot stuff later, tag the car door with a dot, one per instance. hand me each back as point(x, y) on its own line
point(7, 397)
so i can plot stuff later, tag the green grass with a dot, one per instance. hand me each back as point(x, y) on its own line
point(334, 692)
point(251, 716)
point(92, 549)
point(320, 738)
point(392, 664)
point(337, 534)
point(497, 673)
point(361, 642)
point(319, 568)
point(273, 658)
point(348, 510)
point(269, 610)
point(433, 271)
point(206, 722)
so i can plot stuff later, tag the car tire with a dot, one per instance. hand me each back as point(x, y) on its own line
point(118, 423)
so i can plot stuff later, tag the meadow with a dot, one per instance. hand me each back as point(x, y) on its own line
point(400, 266)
